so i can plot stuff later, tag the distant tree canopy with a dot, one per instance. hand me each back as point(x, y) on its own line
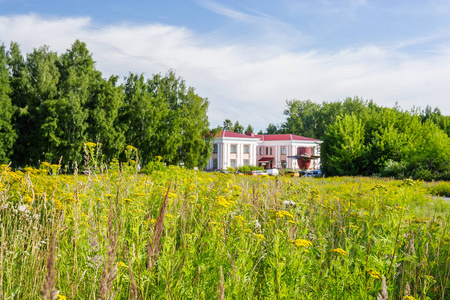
point(362, 138)
point(236, 127)
point(51, 105)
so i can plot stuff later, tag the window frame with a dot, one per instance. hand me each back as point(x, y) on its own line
point(235, 148)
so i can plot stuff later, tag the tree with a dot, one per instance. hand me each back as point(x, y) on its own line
point(430, 158)
point(343, 146)
point(35, 83)
point(103, 119)
point(139, 115)
point(249, 129)
point(68, 115)
point(227, 125)
point(7, 133)
point(185, 127)
point(302, 118)
point(271, 129)
point(238, 128)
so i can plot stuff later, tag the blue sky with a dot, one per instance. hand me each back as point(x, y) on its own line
point(248, 57)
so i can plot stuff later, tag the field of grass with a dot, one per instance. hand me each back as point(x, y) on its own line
point(181, 234)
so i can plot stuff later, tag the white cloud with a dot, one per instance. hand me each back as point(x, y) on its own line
point(240, 84)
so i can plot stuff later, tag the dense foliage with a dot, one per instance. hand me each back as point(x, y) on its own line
point(51, 105)
point(362, 138)
point(118, 234)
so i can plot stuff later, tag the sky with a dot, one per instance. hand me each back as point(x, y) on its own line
point(249, 57)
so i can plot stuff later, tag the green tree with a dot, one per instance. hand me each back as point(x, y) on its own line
point(227, 125)
point(238, 128)
point(7, 133)
point(103, 119)
point(272, 129)
point(139, 117)
point(68, 116)
point(430, 158)
point(249, 129)
point(343, 146)
point(302, 118)
point(34, 83)
point(184, 133)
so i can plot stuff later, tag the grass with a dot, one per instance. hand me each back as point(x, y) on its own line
point(180, 234)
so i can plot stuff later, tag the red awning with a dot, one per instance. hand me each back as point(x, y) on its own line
point(265, 159)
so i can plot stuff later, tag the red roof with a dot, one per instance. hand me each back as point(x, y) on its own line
point(265, 159)
point(284, 137)
point(230, 134)
point(265, 137)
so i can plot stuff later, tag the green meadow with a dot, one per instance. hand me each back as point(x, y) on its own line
point(180, 234)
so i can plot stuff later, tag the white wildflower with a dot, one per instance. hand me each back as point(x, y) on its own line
point(22, 208)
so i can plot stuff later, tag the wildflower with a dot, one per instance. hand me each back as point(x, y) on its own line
point(283, 213)
point(248, 230)
point(257, 225)
point(121, 264)
point(292, 222)
point(61, 297)
point(259, 236)
point(373, 273)
point(409, 298)
point(90, 144)
point(289, 203)
point(23, 208)
point(339, 251)
point(222, 201)
point(241, 218)
point(302, 243)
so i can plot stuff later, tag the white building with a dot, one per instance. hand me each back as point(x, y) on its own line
point(232, 149)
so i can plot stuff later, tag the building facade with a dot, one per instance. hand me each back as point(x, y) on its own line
point(270, 151)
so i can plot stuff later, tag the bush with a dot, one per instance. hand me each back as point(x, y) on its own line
point(441, 188)
point(244, 169)
point(393, 168)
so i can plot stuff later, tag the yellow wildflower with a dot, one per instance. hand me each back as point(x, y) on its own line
point(302, 243)
point(283, 213)
point(259, 236)
point(373, 273)
point(61, 297)
point(339, 251)
point(121, 264)
point(409, 298)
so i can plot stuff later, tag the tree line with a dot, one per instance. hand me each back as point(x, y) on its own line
point(51, 105)
point(362, 138)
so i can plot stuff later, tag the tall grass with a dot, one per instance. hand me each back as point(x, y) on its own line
point(122, 235)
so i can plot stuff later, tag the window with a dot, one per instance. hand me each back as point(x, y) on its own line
point(267, 150)
point(246, 148)
point(260, 150)
point(214, 148)
point(283, 164)
point(270, 150)
point(214, 163)
point(233, 163)
point(283, 150)
point(246, 162)
point(233, 148)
